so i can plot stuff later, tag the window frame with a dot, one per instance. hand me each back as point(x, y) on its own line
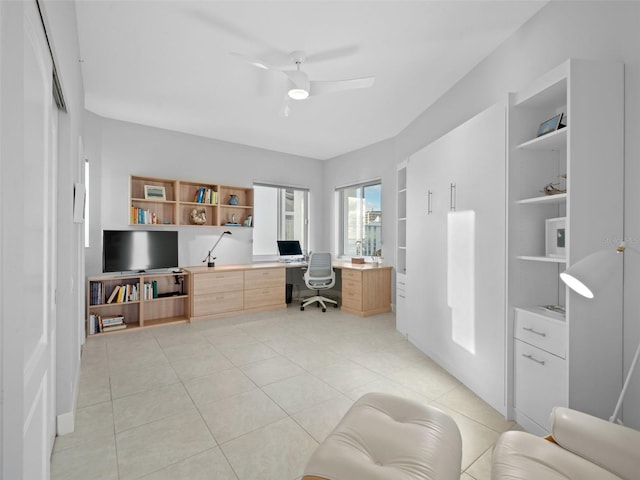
point(281, 217)
point(341, 213)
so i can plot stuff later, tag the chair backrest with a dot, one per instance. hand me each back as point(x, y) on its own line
point(319, 271)
point(320, 265)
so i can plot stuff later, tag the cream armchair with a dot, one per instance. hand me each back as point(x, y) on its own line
point(583, 448)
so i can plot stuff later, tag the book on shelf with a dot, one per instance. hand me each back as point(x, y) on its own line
point(112, 320)
point(114, 293)
point(110, 328)
point(96, 293)
point(94, 324)
point(99, 323)
point(206, 195)
point(557, 309)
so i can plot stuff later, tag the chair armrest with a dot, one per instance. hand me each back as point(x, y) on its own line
point(613, 447)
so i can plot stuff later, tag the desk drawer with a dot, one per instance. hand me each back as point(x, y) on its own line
point(352, 275)
point(264, 278)
point(217, 282)
point(351, 282)
point(264, 297)
point(351, 298)
point(541, 331)
point(217, 303)
point(540, 382)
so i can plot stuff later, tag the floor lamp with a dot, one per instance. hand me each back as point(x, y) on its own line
point(585, 278)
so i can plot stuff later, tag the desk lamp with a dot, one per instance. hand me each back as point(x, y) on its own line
point(208, 259)
point(586, 277)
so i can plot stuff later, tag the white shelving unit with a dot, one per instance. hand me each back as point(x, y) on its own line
point(586, 372)
point(401, 251)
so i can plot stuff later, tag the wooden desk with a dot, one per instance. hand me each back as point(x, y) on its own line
point(227, 289)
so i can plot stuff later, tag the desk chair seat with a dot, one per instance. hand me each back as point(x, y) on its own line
point(319, 276)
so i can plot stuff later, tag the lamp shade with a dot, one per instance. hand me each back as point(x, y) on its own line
point(588, 275)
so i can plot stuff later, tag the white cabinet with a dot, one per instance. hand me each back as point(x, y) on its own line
point(582, 355)
point(456, 241)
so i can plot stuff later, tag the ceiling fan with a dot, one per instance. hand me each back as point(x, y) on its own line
point(300, 87)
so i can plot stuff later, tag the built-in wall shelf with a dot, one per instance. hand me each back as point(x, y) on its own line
point(551, 141)
point(544, 200)
point(589, 155)
point(188, 203)
point(534, 258)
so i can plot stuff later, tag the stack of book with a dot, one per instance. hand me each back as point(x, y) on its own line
point(150, 290)
point(96, 294)
point(206, 195)
point(104, 323)
point(141, 216)
point(124, 293)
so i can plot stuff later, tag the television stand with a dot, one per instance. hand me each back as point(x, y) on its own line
point(138, 310)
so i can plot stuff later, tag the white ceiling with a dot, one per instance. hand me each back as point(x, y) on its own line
point(166, 64)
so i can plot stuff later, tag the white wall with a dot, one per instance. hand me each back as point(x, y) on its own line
point(607, 30)
point(372, 162)
point(118, 149)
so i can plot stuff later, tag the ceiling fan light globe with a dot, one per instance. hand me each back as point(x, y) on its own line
point(298, 93)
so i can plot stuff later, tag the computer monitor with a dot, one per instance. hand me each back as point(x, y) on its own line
point(289, 248)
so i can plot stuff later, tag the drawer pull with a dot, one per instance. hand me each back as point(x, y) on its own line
point(531, 357)
point(529, 329)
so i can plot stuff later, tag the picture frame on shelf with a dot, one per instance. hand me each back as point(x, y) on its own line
point(555, 237)
point(154, 192)
point(551, 125)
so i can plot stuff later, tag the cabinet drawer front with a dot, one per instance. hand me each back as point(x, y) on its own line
point(353, 275)
point(540, 382)
point(351, 298)
point(218, 282)
point(263, 278)
point(264, 297)
point(541, 331)
point(217, 303)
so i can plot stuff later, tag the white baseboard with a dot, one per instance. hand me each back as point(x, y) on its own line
point(66, 422)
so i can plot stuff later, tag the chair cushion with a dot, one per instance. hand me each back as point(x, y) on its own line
point(522, 456)
point(385, 437)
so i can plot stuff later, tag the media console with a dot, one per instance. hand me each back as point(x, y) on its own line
point(216, 292)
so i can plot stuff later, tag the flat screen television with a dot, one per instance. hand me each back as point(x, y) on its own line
point(139, 250)
point(289, 247)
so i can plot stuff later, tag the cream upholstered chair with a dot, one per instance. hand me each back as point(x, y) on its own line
point(385, 437)
point(581, 447)
point(319, 276)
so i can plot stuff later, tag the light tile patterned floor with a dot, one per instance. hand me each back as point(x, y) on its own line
point(248, 397)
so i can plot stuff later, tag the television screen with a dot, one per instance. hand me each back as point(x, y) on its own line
point(139, 250)
point(289, 247)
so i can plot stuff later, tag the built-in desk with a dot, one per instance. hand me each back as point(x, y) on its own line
point(227, 289)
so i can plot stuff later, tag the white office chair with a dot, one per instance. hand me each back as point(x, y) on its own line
point(319, 276)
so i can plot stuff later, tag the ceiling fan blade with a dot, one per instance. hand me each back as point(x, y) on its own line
point(256, 62)
point(322, 87)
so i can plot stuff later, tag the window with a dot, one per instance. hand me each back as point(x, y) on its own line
point(281, 214)
point(86, 204)
point(361, 219)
